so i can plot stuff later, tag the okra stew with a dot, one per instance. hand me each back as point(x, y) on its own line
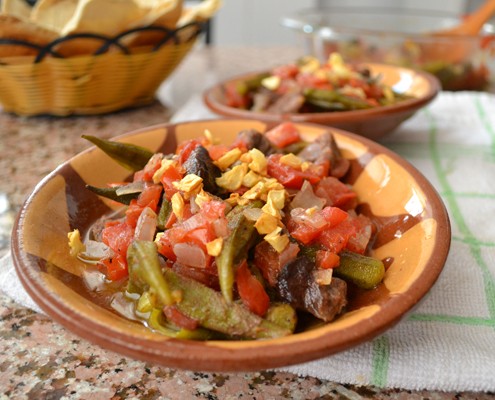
point(247, 240)
point(309, 86)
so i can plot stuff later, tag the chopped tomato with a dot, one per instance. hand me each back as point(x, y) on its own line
point(326, 259)
point(336, 193)
point(149, 197)
point(251, 291)
point(311, 81)
point(151, 167)
point(283, 134)
point(116, 267)
point(178, 318)
point(304, 233)
point(335, 238)
point(235, 97)
point(118, 235)
point(170, 175)
point(218, 150)
point(184, 149)
point(287, 71)
point(291, 177)
point(334, 215)
point(363, 228)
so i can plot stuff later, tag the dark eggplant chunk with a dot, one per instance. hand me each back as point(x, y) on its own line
point(201, 164)
point(296, 285)
point(325, 148)
point(254, 139)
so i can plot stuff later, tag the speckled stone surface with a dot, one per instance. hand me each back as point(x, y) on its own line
point(40, 359)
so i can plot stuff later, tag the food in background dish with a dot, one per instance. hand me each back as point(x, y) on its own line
point(308, 86)
point(233, 241)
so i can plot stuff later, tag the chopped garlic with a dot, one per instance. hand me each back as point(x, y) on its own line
point(232, 179)
point(259, 162)
point(277, 197)
point(251, 179)
point(191, 184)
point(228, 158)
point(75, 243)
point(353, 91)
point(214, 247)
point(178, 205)
point(310, 65)
point(201, 198)
point(278, 242)
point(255, 192)
point(305, 165)
point(272, 184)
point(271, 82)
point(209, 137)
point(266, 223)
point(291, 160)
point(275, 202)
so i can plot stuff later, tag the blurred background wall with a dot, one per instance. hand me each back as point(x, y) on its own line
point(257, 22)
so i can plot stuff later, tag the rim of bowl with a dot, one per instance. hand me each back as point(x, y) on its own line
point(213, 102)
point(242, 355)
point(301, 21)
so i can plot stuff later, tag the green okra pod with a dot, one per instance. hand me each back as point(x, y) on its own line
point(112, 194)
point(130, 156)
point(333, 100)
point(235, 246)
point(210, 309)
point(144, 270)
point(164, 213)
point(365, 272)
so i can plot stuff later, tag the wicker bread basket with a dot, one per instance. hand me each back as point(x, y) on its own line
point(112, 78)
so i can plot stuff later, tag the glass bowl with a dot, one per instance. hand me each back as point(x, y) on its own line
point(400, 37)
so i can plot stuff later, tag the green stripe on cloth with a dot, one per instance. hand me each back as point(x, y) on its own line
point(455, 212)
point(380, 361)
point(473, 242)
point(486, 122)
point(452, 319)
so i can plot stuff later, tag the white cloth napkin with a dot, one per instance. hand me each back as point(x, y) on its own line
point(448, 342)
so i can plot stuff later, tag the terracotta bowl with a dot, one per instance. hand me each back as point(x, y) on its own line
point(372, 123)
point(414, 241)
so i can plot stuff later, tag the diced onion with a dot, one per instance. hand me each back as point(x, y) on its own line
point(94, 252)
point(190, 255)
point(316, 219)
point(306, 198)
point(253, 214)
point(323, 277)
point(146, 225)
point(196, 221)
point(221, 228)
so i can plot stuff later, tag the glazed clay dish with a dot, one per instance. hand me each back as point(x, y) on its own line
point(413, 239)
point(372, 123)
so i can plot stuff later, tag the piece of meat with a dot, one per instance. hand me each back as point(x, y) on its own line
point(288, 103)
point(297, 285)
point(325, 148)
point(255, 140)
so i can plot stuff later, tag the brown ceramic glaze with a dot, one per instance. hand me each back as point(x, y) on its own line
point(373, 123)
point(414, 243)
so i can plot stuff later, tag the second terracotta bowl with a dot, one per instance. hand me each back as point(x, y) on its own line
point(373, 123)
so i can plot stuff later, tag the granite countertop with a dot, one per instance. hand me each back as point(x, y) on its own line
point(41, 359)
